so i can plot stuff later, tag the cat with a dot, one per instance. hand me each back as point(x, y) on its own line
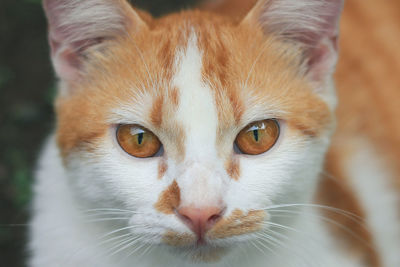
point(203, 139)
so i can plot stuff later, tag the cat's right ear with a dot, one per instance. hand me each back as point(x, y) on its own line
point(76, 27)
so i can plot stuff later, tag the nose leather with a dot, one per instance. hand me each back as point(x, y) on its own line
point(200, 220)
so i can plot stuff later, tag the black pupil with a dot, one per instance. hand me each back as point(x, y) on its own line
point(255, 133)
point(140, 138)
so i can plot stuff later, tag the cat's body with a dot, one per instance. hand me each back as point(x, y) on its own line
point(195, 80)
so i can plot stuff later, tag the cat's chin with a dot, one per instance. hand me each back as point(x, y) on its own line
point(201, 254)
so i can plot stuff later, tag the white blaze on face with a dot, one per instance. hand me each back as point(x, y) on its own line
point(197, 115)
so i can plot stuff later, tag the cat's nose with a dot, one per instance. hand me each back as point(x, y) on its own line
point(200, 220)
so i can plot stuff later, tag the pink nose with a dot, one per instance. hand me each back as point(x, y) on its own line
point(200, 220)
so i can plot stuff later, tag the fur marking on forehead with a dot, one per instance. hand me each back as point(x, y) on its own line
point(196, 111)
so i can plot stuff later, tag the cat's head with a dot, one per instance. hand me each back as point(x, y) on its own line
point(194, 122)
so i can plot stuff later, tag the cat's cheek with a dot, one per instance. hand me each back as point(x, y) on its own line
point(106, 177)
point(285, 174)
point(148, 221)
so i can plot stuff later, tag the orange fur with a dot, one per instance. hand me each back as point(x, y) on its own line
point(175, 97)
point(238, 224)
point(177, 239)
point(233, 169)
point(169, 200)
point(162, 168)
point(156, 113)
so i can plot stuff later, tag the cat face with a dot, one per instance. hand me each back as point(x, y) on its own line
point(192, 92)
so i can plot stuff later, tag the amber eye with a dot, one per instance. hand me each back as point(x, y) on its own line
point(138, 141)
point(258, 137)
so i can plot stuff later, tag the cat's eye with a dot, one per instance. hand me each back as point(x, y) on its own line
point(138, 141)
point(258, 137)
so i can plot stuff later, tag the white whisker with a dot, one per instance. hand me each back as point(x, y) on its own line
point(107, 219)
point(328, 208)
point(339, 225)
point(107, 209)
point(121, 246)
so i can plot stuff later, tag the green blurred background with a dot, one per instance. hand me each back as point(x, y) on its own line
point(27, 89)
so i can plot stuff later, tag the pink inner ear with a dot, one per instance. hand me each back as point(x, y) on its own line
point(67, 63)
point(321, 58)
point(67, 59)
point(68, 55)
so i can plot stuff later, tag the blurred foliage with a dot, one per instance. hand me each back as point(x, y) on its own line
point(27, 89)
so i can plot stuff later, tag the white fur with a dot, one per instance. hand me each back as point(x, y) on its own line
point(197, 115)
point(57, 237)
point(372, 181)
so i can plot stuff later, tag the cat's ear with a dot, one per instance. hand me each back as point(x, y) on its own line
point(310, 24)
point(77, 26)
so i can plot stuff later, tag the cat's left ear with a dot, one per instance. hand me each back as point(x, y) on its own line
point(313, 25)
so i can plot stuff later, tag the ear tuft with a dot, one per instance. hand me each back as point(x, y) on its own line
point(310, 24)
point(76, 25)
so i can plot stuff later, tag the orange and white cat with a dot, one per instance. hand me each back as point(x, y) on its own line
point(200, 139)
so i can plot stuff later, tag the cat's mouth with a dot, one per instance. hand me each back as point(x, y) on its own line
point(207, 248)
point(237, 224)
point(202, 253)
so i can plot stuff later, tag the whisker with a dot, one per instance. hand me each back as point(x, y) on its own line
point(259, 249)
point(83, 249)
point(121, 246)
point(281, 244)
point(267, 247)
point(138, 239)
point(117, 230)
point(282, 236)
point(281, 226)
point(254, 64)
point(114, 238)
point(336, 210)
point(291, 229)
point(131, 243)
point(341, 226)
point(106, 213)
point(109, 210)
point(107, 219)
point(270, 242)
point(148, 251)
